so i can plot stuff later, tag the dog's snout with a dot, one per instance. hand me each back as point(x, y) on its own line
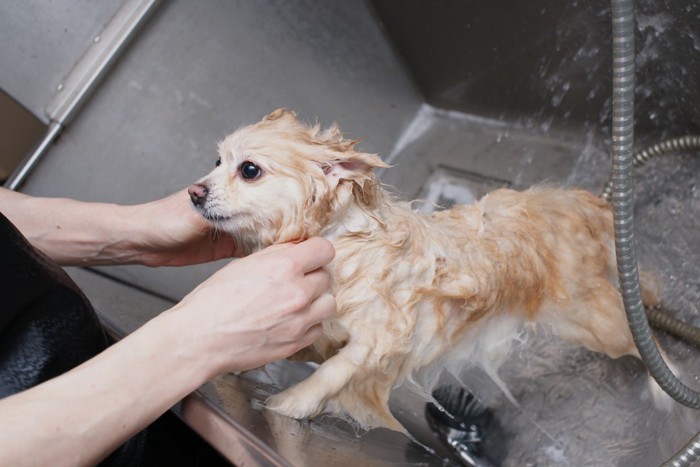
point(198, 194)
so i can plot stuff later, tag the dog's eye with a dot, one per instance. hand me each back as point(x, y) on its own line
point(250, 171)
point(218, 162)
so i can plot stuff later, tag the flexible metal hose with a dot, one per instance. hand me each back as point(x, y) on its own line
point(623, 205)
point(683, 143)
point(661, 320)
point(686, 456)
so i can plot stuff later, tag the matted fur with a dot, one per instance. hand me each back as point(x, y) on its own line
point(448, 288)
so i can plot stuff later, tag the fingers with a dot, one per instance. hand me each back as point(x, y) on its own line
point(322, 308)
point(313, 333)
point(276, 247)
point(312, 254)
point(224, 246)
point(316, 282)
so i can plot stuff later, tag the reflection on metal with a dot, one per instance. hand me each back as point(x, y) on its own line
point(225, 434)
point(229, 413)
point(85, 76)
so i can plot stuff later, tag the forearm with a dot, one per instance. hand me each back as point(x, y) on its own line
point(74, 232)
point(80, 417)
point(260, 308)
point(165, 232)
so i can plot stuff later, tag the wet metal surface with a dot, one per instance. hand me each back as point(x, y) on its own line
point(548, 63)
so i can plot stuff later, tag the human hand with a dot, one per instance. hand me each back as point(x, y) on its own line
point(260, 308)
point(172, 233)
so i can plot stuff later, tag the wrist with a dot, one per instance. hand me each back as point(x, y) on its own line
point(164, 232)
point(84, 234)
point(111, 238)
point(131, 237)
point(177, 331)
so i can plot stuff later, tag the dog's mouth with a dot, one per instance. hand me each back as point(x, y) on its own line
point(224, 219)
point(216, 217)
point(210, 216)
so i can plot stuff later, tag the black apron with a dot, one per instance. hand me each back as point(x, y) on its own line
point(47, 325)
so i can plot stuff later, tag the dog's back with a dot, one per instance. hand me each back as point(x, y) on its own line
point(527, 253)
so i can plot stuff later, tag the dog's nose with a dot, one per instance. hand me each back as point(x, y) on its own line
point(198, 194)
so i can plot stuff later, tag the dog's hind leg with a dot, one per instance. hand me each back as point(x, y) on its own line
point(596, 320)
point(599, 323)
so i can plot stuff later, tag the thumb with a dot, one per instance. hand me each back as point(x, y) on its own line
point(277, 247)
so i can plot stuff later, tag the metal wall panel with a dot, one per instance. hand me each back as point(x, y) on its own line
point(41, 42)
point(548, 63)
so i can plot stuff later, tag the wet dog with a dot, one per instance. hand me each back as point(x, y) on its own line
point(414, 291)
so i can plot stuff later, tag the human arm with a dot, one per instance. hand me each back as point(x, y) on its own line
point(166, 232)
point(255, 310)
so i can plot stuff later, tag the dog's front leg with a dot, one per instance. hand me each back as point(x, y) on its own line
point(308, 398)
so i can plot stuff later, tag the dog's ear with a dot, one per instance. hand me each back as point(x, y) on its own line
point(279, 114)
point(357, 167)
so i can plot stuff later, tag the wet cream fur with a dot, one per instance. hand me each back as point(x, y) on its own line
point(448, 289)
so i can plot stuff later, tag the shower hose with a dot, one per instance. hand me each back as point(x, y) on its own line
point(657, 317)
point(623, 29)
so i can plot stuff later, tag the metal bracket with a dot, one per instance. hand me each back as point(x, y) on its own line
point(84, 77)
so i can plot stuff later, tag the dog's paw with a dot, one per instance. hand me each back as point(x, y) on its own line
point(294, 404)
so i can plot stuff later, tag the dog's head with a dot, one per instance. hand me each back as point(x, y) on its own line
point(281, 180)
